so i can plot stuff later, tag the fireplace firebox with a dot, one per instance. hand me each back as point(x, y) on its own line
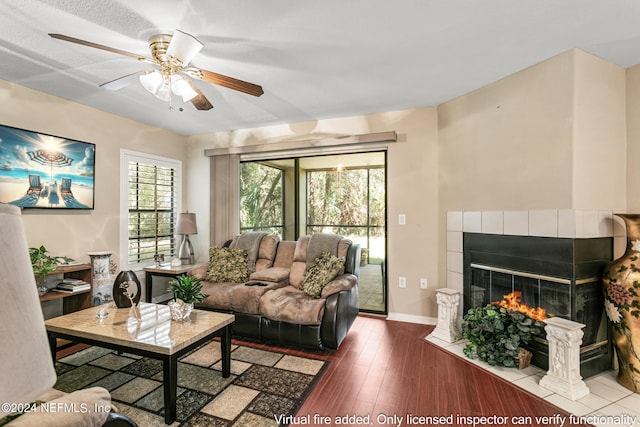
point(560, 275)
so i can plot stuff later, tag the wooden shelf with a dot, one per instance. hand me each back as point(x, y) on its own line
point(72, 301)
point(52, 295)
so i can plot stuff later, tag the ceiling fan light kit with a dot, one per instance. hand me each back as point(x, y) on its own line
point(158, 84)
point(172, 54)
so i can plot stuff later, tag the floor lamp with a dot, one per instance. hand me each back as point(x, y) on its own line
point(186, 226)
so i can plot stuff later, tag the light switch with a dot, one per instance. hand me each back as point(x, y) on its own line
point(402, 219)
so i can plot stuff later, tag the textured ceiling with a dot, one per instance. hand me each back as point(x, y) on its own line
point(314, 59)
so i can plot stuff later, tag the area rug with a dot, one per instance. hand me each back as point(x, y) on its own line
point(263, 386)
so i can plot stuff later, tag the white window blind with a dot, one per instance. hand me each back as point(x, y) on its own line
point(152, 189)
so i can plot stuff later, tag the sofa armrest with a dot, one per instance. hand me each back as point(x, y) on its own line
point(199, 271)
point(340, 283)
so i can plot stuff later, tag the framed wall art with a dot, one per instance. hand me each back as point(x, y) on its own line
point(40, 171)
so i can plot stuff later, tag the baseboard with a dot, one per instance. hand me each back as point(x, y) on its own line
point(410, 318)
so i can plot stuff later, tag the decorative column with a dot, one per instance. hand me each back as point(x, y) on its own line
point(563, 376)
point(448, 300)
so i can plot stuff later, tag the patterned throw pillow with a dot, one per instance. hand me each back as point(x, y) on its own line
point(227, 265)
point(321, 271)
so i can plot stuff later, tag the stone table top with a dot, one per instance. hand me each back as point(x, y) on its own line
point(155, 331)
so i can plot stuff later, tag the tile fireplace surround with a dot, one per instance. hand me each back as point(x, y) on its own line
point(554, 257)
point(607, 397)
point(541, 223)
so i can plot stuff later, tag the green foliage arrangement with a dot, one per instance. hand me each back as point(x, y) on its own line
point(42, 263)
point(187, 288)
point(496, 334)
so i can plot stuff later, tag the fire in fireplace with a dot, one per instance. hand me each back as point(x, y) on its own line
point(559, 276)
point(512, 302)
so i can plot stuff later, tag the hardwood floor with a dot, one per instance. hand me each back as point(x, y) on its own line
point(386, 367)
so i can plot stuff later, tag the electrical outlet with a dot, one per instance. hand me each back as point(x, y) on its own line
point(423, 283)
point(402, 282)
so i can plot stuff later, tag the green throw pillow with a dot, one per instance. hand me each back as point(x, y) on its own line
point(322, 270)
point(227, 265)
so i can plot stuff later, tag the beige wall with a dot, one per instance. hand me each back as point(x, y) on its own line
point(549, 137)
point(507, 146)
point(599, 134)
point(413, 190)
point(74, 233)
point(633, 137)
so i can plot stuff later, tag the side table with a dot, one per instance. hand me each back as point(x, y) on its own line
point(162, 271)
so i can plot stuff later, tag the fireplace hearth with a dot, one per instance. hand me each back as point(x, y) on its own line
point(559, 275)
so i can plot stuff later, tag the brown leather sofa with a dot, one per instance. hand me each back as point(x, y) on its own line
point(272, 308)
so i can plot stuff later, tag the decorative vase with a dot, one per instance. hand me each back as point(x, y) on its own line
point(126, 283)
point(621, 284)
point(101, 262)
point(180, 310)
point(41, 282)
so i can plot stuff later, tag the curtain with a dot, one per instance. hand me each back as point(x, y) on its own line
point(225, 198)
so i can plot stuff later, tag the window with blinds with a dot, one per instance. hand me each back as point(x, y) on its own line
point(151, 211)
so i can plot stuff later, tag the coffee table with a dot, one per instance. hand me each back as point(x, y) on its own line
point(154, 335)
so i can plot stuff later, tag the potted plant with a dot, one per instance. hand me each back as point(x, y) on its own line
point(42, 265)
point(496, 335)
point(187, 290)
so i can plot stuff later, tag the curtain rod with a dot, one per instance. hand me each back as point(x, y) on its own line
point(368, 138)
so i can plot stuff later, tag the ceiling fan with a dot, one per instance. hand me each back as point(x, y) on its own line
point(171, 56)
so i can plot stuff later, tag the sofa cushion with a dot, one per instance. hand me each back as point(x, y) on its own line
point(320, 243)
point(273, 274)
point(234, 296)
point(321, 271)
point(299, 265)
point(284, 254)
point(227, 265)
point(267, 252)
point(291, 305)
point(251, 243)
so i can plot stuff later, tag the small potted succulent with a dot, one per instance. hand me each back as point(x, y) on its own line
point(187, 290)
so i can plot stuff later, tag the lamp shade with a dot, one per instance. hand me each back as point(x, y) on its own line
point(151, 81)
point(186, 224)
point(182, 88)
point(27, 367)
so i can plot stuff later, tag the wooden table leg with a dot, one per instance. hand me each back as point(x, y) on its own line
point(225, 349)
point(170, 379)
point(147, 286)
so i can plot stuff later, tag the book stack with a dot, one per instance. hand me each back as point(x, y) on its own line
point(72, 285)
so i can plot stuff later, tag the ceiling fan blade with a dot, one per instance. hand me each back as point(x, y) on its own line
point(100, 46)
point(226, 81)
point(184, 47)
point(123, 81)
point(200, 102)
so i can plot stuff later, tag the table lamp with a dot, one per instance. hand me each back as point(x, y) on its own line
point(186, 225)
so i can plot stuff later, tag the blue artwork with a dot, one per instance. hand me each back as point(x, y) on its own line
point(45, 171)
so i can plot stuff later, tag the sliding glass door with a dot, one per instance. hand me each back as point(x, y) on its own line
point(343, 194)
